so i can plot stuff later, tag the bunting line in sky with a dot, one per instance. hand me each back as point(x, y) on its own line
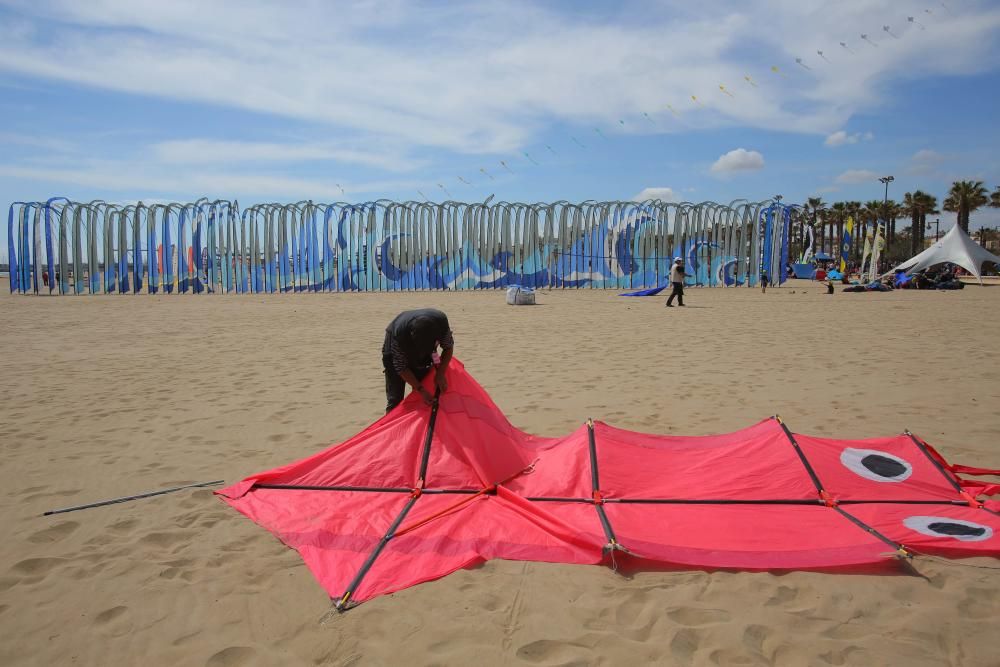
point(748, 79)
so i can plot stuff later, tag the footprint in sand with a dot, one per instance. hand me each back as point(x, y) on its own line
point(232, 656)
point(38, 496)
point(53, 533)
point(114, 622)
point(36, 567)
point(550, 652)
point(695, 617)
point(725, 657)
point(166, 539)
point(979, 603)
point(783, 595)
point(684, 644)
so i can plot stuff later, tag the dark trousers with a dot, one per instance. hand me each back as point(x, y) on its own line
point(678, 291)
point(395, 385)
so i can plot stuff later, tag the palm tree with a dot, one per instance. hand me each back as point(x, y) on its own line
point(964, 198)
point(854, 210)
point(995, 198)
point(913, 203)
point(838, 213)
point(917, 205)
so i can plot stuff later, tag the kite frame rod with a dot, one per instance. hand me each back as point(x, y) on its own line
point(720, 501)
point(309, 487)
point(937, 464)
point(609, 532)
point(125, 499)
point(802, 456)
point(768, 501)
point(371, 489)
point(592, 446)
point(356, 581)
point(426, 456)
point(864, 526)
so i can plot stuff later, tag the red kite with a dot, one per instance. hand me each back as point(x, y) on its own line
point(425, 491)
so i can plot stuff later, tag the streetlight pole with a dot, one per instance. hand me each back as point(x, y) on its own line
point(937, 224)
point(885, 209)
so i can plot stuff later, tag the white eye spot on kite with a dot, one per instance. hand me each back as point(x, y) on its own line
point(875, 465)
point(957, 529)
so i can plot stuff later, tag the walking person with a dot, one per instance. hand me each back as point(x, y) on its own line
point(677, 280)
point(764, 282)
point(411, 340)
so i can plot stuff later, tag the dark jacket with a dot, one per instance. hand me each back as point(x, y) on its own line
point(417, 333)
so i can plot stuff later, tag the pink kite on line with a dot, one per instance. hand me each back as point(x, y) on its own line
point(425, 491)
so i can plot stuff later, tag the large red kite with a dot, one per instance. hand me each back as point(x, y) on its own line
point(425, 491)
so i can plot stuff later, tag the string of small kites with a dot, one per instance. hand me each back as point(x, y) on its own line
point(723, 89)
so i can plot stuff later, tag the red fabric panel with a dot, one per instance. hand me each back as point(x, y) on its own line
point(756, 463)
point(386, 454)
point(502, 526)
point(333, 531)
point(755, 537)
point(474, 443)
point(832, 461)
point(563, 470)
point(899, 523)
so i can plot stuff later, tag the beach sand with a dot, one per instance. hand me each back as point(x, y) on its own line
point(114, 395)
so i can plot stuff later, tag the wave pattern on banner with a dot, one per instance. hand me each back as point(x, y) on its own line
point(65, 247)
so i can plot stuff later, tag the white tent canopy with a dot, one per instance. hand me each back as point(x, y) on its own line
point(956, 247)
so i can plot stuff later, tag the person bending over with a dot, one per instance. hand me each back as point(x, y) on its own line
point(410, 341)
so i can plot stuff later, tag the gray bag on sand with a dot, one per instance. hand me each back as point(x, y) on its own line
point(520, 296)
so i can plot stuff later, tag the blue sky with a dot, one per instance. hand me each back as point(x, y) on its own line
point(351, 101)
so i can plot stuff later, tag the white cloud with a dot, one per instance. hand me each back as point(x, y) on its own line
point(159, 180)
point(738, 159)
point(856, 176)
point(663, 194)
point(841, 138)
point(926, 156)
point(926, 163)
point(513, 69)
point(208, 151)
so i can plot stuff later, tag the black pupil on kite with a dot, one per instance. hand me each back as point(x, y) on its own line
point(945, 528)
point(883, 466)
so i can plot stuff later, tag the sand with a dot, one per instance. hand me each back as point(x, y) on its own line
point(112, 395)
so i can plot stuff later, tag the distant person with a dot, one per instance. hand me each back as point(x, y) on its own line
point(677, 275)
point(411, 340)
point(829, 287)
point(764, 281)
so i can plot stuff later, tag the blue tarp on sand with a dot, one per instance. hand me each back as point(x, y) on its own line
point(653, 291)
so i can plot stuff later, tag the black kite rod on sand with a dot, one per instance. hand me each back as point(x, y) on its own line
point(125, 499)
